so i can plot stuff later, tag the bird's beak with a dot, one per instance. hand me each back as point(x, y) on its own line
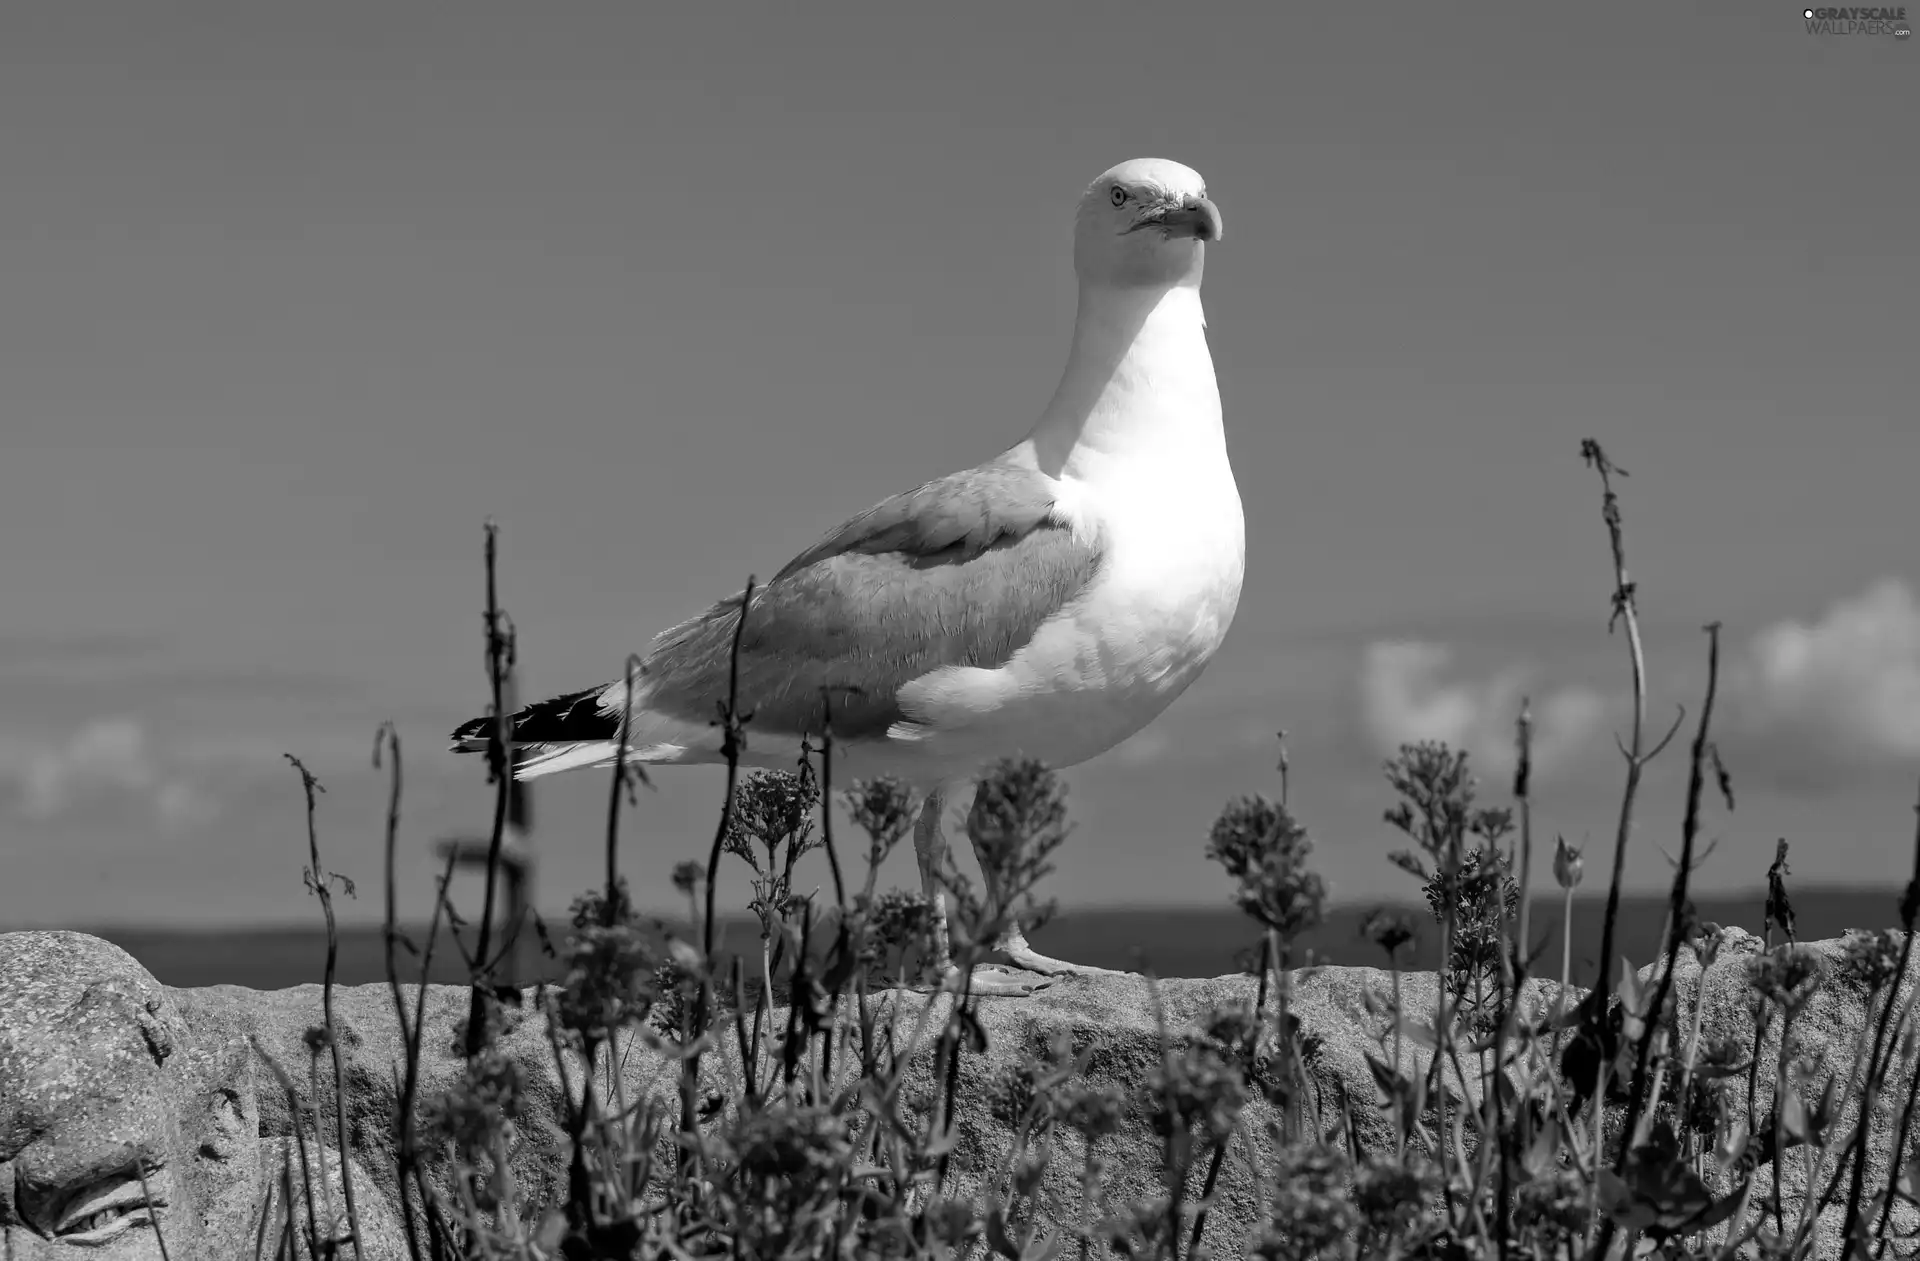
point(1195, 217)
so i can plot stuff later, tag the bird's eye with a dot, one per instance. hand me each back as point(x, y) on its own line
point(1119, 196)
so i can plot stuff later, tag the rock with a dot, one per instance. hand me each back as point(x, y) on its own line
point(100, 1065)
point(104, 1080)
point(1832, 1030)
point(1121, 1018)
point(100, 1082)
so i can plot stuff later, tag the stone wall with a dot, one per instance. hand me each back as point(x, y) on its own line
point(106, 1074)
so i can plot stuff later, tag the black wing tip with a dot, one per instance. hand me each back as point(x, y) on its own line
point(574, 716)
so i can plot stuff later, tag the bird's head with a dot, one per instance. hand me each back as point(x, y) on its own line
point(1144, 222)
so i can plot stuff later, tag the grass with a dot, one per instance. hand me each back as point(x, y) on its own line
point(1610, 1127)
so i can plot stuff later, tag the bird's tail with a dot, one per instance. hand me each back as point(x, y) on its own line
point(566, 733)
point(550, 759)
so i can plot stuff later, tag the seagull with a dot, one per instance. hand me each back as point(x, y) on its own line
point(1048, 603)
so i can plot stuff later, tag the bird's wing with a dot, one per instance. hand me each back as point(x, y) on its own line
point(960, 571)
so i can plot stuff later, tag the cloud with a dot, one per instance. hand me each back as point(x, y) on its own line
point(1842, 690)
point(1405, 699)
point(109, 759)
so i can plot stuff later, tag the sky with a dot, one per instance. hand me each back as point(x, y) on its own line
point(297, 297)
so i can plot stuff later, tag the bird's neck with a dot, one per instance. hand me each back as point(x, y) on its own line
point(1138, 384)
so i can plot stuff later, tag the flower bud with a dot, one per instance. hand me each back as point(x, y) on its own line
point(1566, 863)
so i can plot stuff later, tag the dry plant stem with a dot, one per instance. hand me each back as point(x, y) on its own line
point(1636, 756)
point(579, 1197)
point(1691, 1054)
point(1624, 611)
point(949, 1067)
point(1565, 1118)
point(1762, 1018)
point(159, 1237)
point(500, 769)
point(1858, 1087)
point(609, 908)
point(1637, 1127)
point(311, 787)
point(293, 1112)
point(313, 1093)
point(1277, 952)
point(1737, 1237)
point(410, 1087)
point(1513, 969)
point(1219, 1155)
point(1494, 1128)
point(1523, 795)
point(1176, 1167)
point(795, 1044)
point(1566, 968)
point(1436, 1064)
point(762, 1012)
point(731, 722)
point(1810, 1178)
point(826, 801)
point(1281, 950)
point(287, 1246)
point(260, 1226)
point(1779, 1096)
point(616, 1088)
point(842, 939)
point(389, 736)
point(1899, 1151)
point(1444, 1016)
point(749, 1074)
point(1909, 916)
point(1399, 1022)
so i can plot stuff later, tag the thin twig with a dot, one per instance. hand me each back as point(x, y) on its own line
point(320, 885)
point(500, 655)
point(608, 909)
point(388, 736)
point(153, 1210)
point(1909, 916)
point(1624, 611)
point(294, 1110)
point(1634, 1129)
point(1219, 1155)
point(826, 800)
point(731, 723)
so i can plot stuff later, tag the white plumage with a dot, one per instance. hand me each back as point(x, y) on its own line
point(1049, 603)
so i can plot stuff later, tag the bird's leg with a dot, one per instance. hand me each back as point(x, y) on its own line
point(930, 848)
point(1013, 942)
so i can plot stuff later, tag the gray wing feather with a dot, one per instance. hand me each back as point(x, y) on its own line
point(958, 572)
point(968, 512)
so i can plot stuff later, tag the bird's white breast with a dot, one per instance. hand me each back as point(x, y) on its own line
point(1134, 445)
point(1174, 547)
point(1173, 553)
